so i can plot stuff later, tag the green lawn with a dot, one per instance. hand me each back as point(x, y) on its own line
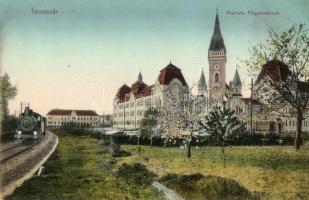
point(268, 172)
point(80, 169)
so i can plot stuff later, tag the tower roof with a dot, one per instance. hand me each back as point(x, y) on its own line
point(122, 93)
point(275, 69)
point(217, 43)
point(140, 78)
point(139, 85)
point(170, 72)
point(236, 80)
point(202, 81)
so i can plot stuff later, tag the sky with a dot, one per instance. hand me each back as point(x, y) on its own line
point(79, 57)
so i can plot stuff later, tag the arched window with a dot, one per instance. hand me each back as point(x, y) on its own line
point(216, 77)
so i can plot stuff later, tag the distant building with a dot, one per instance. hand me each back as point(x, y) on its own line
point(59, 117)
point(106, 120)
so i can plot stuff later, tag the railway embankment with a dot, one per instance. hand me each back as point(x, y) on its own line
point(16, 170)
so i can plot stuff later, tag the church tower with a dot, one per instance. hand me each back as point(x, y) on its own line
point(236, 85)
point(217, 61)
point(202, 86)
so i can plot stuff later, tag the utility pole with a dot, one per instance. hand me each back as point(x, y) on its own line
point(124, 116)
point(103, 119)
point(251, 128)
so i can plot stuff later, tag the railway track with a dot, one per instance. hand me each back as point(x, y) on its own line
point(12, 151)
point(6, 147)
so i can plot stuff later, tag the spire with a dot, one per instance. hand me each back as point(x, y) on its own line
point(217, 42)
point(140, 78)
point(202, 82)
point(236, 79)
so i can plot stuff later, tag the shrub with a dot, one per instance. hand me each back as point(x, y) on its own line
point(198, 186)
point(136, 174)
point(9, 123)
point(76, 130)
point(118, 152)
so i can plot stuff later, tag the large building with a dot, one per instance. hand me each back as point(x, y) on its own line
point(130, 103)
point(60, 117)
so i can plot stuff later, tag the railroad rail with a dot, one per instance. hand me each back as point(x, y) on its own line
point(8, 153)
point(168, 193)
point(9, 146)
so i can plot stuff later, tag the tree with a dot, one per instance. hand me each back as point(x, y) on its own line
point(8, 92)
point(223, 127)
point(149, 123)
point(290, 48)
point(183, 115)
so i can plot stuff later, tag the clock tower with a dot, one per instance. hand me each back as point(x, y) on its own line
point(217, 61)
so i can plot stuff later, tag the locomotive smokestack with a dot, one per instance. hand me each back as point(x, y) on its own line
point(27, 110)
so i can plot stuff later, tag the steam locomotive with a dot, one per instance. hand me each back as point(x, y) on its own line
point(31, 126)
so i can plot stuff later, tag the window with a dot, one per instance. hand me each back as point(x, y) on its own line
point(216, 77)
point(140, 103)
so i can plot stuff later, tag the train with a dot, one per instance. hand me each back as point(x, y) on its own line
point(31, 126)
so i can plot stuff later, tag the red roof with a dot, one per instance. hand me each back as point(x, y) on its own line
point(85, 113)
point(276, 69)
point(68, 112)
point(122, 93)
point(138, 87)
point(169, 73)
point(146, 92)
point(59, 112)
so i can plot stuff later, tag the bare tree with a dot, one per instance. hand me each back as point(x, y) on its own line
point(288, 50)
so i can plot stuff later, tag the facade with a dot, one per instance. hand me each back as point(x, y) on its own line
point(59, 117)
point(130, 103)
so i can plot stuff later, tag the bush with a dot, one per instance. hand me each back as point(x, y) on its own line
point(198, 186)
point(77, 130)
point(136, 174)
point(118, 152)
point(242, 139)
point(9, 123)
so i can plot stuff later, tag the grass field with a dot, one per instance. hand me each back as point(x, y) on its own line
point(80, 169)
point(268, 172)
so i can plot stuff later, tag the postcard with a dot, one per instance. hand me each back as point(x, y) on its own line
point(154, 99)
